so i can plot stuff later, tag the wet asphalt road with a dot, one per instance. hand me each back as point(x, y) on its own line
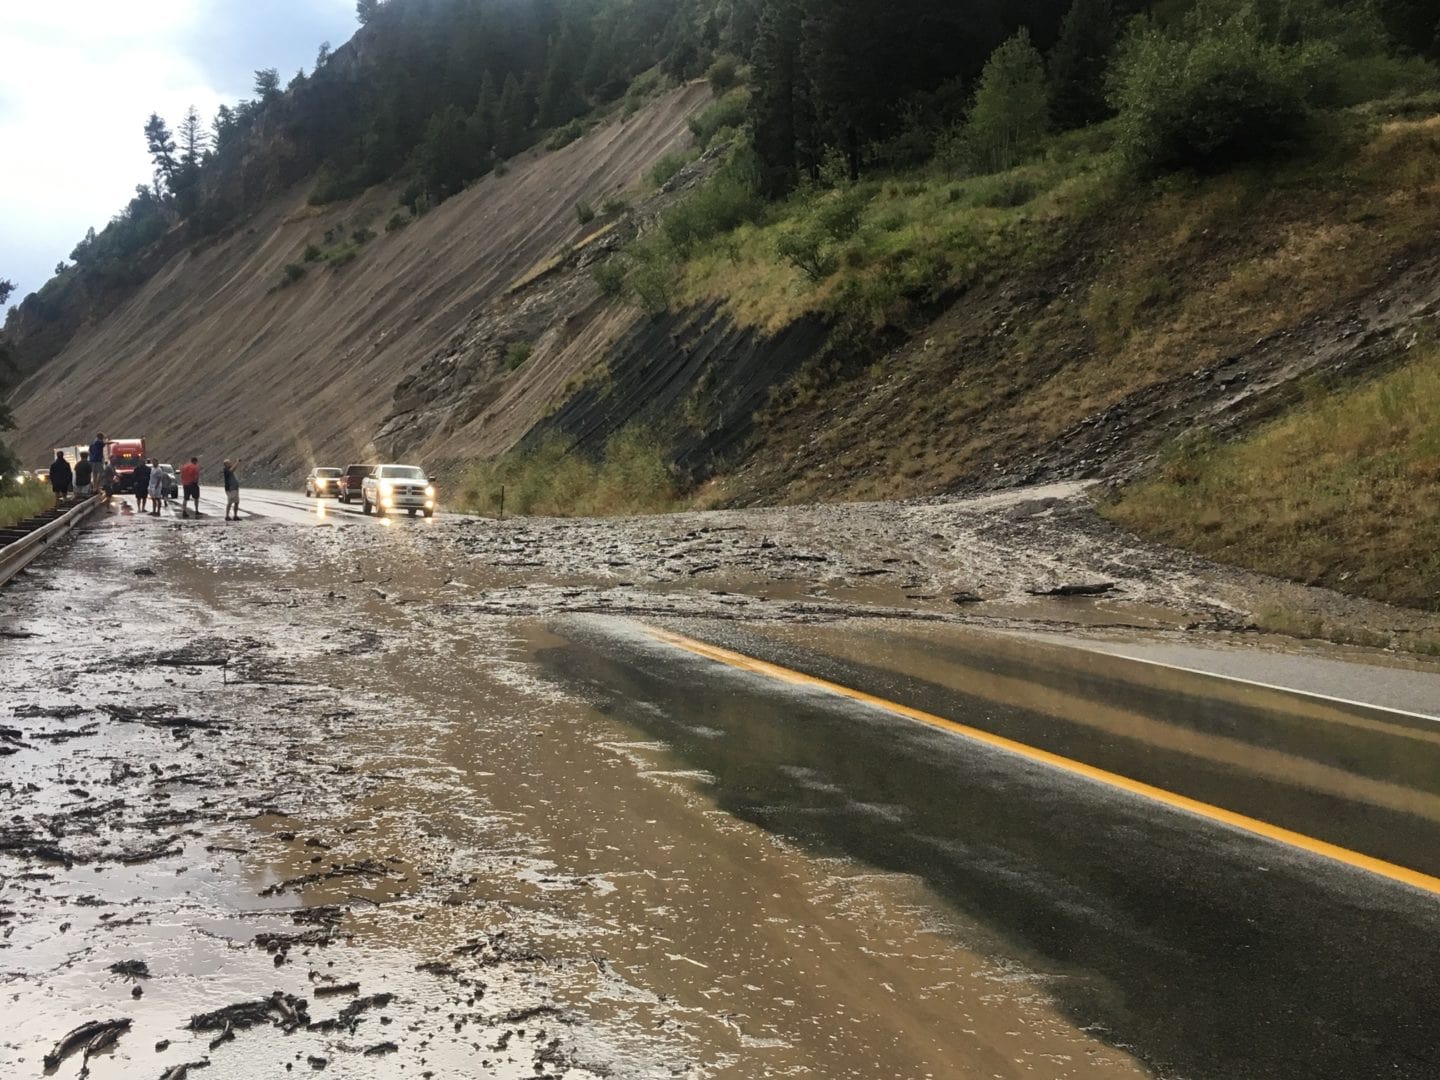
point(1209, 952)
point(722, 874)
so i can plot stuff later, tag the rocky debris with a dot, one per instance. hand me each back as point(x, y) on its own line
point(1074, 589)
point(284, 1010)
point(337, 989)
point(131, 969)
point(182, 1072)
point(92, 1036)
point(349, 1017)
point(363, 868)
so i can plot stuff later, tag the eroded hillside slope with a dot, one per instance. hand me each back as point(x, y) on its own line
point(211, 357)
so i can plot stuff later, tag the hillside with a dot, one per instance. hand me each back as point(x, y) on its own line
point(210, 357)
point(1155, 251)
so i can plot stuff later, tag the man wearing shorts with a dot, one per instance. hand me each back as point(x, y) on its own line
point(190, 486)
point(232, 491)
point(141, 479)
point(62, 478)
point(158, 482)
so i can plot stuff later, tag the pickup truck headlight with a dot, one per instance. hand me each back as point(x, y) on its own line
point(430, 490)
point(386, 489)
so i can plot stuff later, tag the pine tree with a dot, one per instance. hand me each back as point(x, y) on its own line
point(193, 139)
point(161, 145)
point(1078, 63)
point(1011, 112)
point(222, 128)
point(486, 112)
point(775, 100)
point(511, 119)
point(365, 10)
point(267, 84)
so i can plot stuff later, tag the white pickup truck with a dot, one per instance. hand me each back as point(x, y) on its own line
point(397, 487)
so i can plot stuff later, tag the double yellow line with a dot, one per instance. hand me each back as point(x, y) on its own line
point(1392, 871)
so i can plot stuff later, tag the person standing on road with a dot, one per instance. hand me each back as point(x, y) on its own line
point(107, 480)
point(157, 488)
point(232, 491)
point(97, 450)
point(84, 476)
point(61, 476)
point(190, 486)
point(141, 479)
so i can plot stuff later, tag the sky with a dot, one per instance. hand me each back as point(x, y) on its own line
point(78, 78)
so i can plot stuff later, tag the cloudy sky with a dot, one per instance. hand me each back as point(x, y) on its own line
point(78, 79)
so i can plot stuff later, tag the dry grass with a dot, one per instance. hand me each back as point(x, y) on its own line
point(1344, 491)
point(553, 480)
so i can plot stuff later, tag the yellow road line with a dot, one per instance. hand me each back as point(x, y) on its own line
point(1394, 872)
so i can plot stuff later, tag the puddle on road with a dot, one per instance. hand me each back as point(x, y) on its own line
point(396, 797)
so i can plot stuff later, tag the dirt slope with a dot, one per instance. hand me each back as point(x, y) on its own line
point(210, 358)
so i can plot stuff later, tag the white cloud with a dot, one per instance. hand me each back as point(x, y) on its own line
point(80, 77)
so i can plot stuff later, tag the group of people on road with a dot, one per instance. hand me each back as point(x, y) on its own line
point(90, 474)
point(150, 482)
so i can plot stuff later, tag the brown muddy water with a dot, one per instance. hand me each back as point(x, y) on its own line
point(284, 805)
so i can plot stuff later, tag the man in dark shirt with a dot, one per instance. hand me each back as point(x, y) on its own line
point(141, 479)
point(84, 475)
point(61, 476)
point(232, 491)
point(97, 454)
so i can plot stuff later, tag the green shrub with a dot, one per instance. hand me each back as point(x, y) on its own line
point(1218, 94)
point(362, 235)
point(723, 73)
point(517, 354)
point(653, 272)
point(726, 114)
point(839, 214)
point(312, 253)
point(292, 273)
point(610, 276)
point(806, 250)
point(397, 222)
point(342, 256)
point(615, 206)
point(730, 199)
point(584, 212)
point(665, 170)
point(332, 187)
point(562, 137)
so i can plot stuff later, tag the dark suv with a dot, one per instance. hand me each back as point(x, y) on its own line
point(350, 483)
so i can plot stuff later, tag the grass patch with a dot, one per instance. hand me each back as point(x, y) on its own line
point(552, 480)
point(1343, 491)
point(24, 503)
point(872, 252)
point(517, 354)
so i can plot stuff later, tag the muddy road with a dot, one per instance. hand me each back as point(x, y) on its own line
point(441, 799)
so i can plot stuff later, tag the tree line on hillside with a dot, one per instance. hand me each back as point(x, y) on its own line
point(443, 90)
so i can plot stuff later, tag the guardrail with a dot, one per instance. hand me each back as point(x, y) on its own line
point(19, 553)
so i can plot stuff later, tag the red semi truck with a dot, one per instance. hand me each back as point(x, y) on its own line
point(125, 454)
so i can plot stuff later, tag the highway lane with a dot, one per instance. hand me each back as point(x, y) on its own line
point(296, 508)
point(1209, 950)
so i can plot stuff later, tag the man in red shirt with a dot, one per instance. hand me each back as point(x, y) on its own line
point(190, 486)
